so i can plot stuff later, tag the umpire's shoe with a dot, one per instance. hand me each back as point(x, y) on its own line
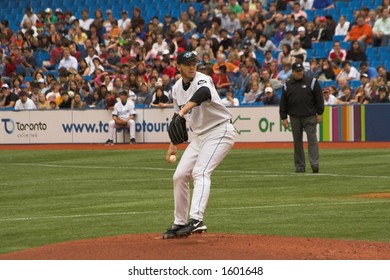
point(194, 226)
point(171, 232)
point(315, 168)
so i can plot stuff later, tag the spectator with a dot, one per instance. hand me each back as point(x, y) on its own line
point(382, 96)
point(315, 69)
point(370, 71)
point(303, 38)
point(107, 23)
point(265, 45)
point(356, 53)
point(143, 97)
point(160, 98)
point(329, 99)
point(285, 54)
point(270, 98)
point(64, 102)
point(326, 29)
point(337, 52)
point(297, 11)
point(342, 26)
point(285, 73)
point(43, 103)
point(204, 48)
point(29, 16)
point(229, 99)
point(381, 29)
point(52, 104)
point(326, 72)
point(243, 79)
point(221, 60)
point(69, 62)
point(288, 39)
point(349, 72)
point(232, 23)
point(85, 22)
point(24, 103)
point(9, 98)
point(251, 96)
point(265, 77)
point(55, 57)
point(360, 97)
point(382, 72)
point(77, 103)
point(226, 43)
point(306, 4)
point(223, 81)
point(268, 59)
point(137, 19)
point(297, 50)
point(204, 22)
point(346, 94)
point(361, 32)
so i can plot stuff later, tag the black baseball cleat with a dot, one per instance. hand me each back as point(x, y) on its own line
point(315, 168)
point(109, 142)
point(171, 232)
point(132, 141)
point(193, 226)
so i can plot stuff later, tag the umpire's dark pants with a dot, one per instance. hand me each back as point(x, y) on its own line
point(309, 125)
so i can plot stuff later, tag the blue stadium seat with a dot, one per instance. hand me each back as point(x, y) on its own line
point(354, 84)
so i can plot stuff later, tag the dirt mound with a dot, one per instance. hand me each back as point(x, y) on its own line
point(206, 246)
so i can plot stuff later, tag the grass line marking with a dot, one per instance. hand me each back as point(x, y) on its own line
point(210, 209)
point(260, 173)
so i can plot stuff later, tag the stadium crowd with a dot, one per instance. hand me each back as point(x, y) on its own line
point(56, 60)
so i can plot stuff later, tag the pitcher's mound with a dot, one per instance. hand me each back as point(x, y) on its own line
point(206, 246)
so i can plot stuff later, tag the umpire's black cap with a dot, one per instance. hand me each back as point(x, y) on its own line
point(186, 57)
point(297, 66)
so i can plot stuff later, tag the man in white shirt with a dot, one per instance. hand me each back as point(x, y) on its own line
point(89, 59)
point(124, 22)
point(349, 72)
point(329, 99)
point(381, 29)
point(123, 116)
point(68, 62)
point(24, 103)
point(29, 16)
point(85, 21)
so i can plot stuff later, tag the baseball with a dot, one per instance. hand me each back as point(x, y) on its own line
point(172, 159)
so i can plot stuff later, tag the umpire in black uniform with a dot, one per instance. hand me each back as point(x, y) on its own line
point(303, 102)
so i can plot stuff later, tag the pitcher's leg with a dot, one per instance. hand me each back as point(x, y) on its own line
point(299, 153)
point(181, 178)
point(213, 151)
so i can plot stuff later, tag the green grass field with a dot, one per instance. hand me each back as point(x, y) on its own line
point(54, 196)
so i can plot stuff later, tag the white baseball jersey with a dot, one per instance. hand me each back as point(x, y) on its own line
point(208, 114)
point(123, 111)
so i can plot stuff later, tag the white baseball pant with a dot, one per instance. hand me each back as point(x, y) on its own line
point(112, 125)
point(198, 161)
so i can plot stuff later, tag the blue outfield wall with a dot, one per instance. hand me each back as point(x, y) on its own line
point(377, 122)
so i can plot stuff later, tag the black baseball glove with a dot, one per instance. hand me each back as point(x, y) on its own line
point(177, 130)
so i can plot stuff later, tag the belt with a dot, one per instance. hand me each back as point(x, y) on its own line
point(230, 121)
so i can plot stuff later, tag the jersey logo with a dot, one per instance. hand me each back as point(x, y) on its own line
point(202, 82)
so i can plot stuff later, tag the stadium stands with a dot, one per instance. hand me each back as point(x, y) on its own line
point(13, 12)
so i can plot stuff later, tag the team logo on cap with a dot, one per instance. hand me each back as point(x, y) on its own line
point(187, 55)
